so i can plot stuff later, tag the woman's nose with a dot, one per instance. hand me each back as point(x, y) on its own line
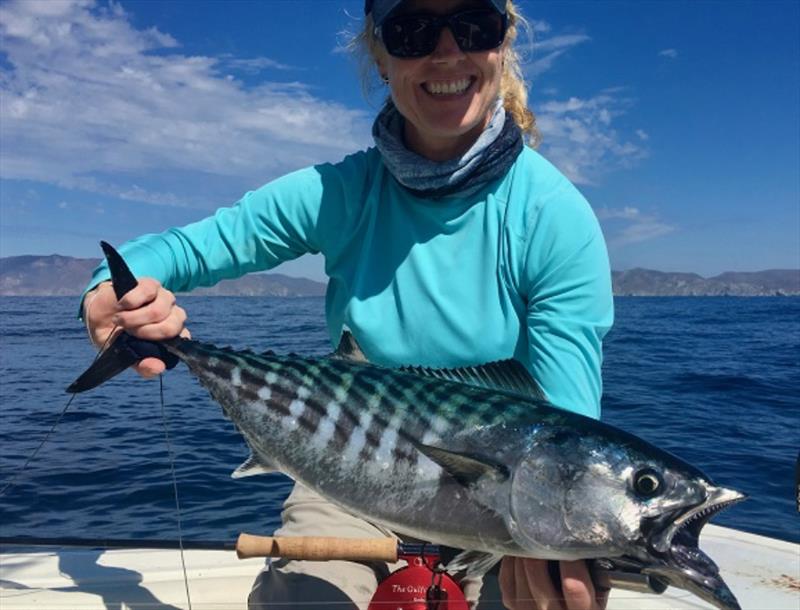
point(446, 48)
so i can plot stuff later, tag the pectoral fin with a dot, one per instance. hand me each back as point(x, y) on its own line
point(465, 468)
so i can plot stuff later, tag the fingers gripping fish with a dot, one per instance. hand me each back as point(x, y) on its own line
point(431, 453)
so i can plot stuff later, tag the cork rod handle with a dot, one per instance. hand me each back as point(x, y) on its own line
point(314, 548)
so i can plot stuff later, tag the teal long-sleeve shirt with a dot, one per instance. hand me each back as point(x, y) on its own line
point(516, 269)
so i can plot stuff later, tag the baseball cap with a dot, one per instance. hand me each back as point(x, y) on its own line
point(381, 9)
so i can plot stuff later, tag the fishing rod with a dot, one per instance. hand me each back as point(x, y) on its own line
point(606, 573)
point(311, 548)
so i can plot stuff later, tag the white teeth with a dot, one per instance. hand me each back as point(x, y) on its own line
point(447, 88)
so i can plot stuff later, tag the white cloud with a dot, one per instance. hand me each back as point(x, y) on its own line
point(629, 225)
point(542, 51)
point(579, 136)
point(541, 26)
point(670, 53)
point(252, 65)
point(544, 64)
point(91, 102)
point(561, 42)
point(626, 213)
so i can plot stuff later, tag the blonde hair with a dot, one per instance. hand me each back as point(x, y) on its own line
point(513, 89)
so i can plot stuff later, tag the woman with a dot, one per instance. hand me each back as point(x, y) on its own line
point(450, 243)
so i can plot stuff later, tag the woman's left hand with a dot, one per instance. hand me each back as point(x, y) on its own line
point(526, 585)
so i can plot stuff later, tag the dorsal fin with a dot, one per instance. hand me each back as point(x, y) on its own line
point(349, 349)
point(507, 375)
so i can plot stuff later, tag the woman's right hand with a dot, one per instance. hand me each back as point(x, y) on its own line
point(148, 311)
point(526, 584)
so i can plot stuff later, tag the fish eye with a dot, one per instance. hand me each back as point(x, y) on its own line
point(647, 482)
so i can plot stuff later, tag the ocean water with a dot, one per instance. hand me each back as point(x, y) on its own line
point(713, 380)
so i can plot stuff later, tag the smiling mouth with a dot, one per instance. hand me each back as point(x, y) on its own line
point(448, 88)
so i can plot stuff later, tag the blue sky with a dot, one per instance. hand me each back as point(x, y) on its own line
point(679, 121)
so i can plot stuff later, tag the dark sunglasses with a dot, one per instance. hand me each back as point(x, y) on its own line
point(417, 35)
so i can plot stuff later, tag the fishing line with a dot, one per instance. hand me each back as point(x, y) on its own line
point(53, 427)
point(36, 451)
point(169, 450)
point(174, 486)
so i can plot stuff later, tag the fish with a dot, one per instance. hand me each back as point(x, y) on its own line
point(474, 458)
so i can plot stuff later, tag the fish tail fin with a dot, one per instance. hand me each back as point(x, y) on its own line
point(126, 350)
point(110, 363)
point(122, 279)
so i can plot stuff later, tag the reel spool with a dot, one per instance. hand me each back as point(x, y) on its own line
point(419, 586)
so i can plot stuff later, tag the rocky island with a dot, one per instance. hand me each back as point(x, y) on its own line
point(57, 275)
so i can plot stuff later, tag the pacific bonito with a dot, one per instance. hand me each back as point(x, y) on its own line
point(431, 453)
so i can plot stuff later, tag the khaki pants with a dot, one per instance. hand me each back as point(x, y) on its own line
point(334, 585)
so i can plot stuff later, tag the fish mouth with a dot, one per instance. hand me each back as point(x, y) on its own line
point(676, 555)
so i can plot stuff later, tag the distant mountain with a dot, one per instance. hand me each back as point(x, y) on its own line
point(264, 285)
point(51, 276)
point(646, 282)
point(57, 275)
point(66, 276)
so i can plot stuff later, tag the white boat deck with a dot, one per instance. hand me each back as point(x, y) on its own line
point(762, 572)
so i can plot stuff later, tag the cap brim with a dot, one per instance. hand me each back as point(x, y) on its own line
point(381, 9)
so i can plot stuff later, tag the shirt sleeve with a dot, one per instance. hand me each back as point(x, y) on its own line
point(570, 305)
point(293, 215)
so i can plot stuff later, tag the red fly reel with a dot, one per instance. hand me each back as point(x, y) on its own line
point(419, 586)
